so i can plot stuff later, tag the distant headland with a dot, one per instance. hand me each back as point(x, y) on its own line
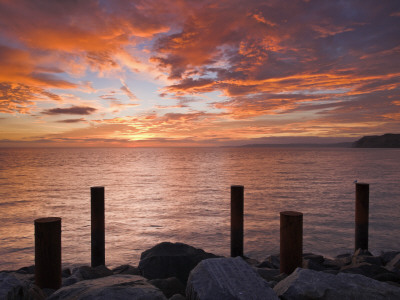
point(388, 140)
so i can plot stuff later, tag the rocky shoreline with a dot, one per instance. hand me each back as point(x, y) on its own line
point(178, 271)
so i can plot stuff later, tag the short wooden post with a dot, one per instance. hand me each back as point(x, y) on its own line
point(237, 203)
point(48, 253)
point(291, 242)
point(97, 226)
point(361, 216)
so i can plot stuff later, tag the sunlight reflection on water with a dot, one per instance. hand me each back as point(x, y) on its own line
point(182, 194)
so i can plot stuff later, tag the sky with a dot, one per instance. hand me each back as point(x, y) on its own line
point(149, 73)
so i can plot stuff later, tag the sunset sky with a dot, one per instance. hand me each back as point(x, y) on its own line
point(197, 73)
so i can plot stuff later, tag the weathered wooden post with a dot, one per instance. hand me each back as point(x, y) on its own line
point(291, 242)
point(362, 214)
point(237, 196)
point(48, 253)
point(97, 225)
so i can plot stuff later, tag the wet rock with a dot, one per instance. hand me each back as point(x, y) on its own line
point(171, 260)
point(316, 258)
point(169, 286)
point(362, 252)
point(126, 269)
point(116, 287)
point(331, 264)
point(312, 265)
point(12, 287)
point(226, 278)
point(310, 284)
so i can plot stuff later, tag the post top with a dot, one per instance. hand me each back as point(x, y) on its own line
point(97, 188)
point(362, 183)
point(291, 213)
point(237, 186)
point(48, 220)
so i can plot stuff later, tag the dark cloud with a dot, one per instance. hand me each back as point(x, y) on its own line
point(73, 110)
point(69, 121)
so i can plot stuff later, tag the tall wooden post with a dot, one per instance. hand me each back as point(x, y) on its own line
point(291, 242)
point(237, 203)
point(97, 226)
point(48, 253)
point(361, 216)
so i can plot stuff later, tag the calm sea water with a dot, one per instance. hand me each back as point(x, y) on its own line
point(183, 195)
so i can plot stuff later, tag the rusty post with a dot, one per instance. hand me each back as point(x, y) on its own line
point(48, 253)
point(97, 226)
point(291, 241)
point(237, 196)
point(361, 216)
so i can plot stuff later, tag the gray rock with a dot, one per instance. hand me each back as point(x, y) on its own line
point(12, 287)
point(343, 260)
point(272, 261)
point(310, 284)
point(268, 274)
point(171, 260)
point(26, 270)
point(394, 264)
point(126, 269)
point(374, 260)
point(387, 256)
point(177, 297)
point(313, 265)
point(226, 278)
point(85, 273)
point(362, 252)
point(316, 258)
point(116, 287)
point(331, 264)
point(389, 276)
point(169, 286)
point(365, 269)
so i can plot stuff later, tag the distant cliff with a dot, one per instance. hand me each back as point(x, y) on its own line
point(388, 140)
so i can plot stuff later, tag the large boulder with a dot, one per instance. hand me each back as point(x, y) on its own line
point(12, 286)
point(116, 287)
point(310, 284)
point(227, 278)
point(171, 260)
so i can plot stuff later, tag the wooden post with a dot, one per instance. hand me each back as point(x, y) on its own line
point(361, 216)
point(237, 196)
point(291, 242)
point(97, 226)
point(48, 253)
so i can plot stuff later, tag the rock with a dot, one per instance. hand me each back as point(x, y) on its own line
point(226, 278)
point(169, 286)
point(362, 252)
point(116, 287)
point(177, 297)
point(126, 269)
point(394, 264)
point(12, 287)
point(272, 261)
point(330, 264)
point(361, 256)
point(343, 260)
point(312, 265)
point(26, 270)
point(392, 277)
point(171, 260)
point(365, 269)
point(85, 273)
point(268, 274)
point(386, 257)
point(319, 259)
point(310, 284)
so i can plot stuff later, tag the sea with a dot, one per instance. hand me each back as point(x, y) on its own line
point(154, 195)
